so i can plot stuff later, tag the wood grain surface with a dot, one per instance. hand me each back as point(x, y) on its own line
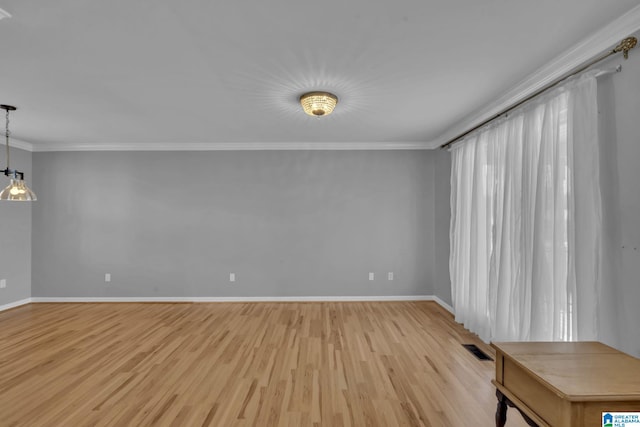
point(578, 371)
point(241, 364)
point(567, 384)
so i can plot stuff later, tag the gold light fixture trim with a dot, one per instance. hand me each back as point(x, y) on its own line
point(318, 104)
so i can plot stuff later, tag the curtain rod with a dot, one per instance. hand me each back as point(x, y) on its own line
point(625, 46)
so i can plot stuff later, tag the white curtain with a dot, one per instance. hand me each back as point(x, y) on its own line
point(525, 226)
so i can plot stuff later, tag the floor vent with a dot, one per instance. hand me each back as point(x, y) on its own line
point(479, 354)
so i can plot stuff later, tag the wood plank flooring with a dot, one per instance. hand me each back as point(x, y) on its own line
point(236, 364)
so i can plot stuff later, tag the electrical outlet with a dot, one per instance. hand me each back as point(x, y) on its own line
point(107, 277)
point(390, 275)
point(232, 277)
point(3, 283)
point(371, 276)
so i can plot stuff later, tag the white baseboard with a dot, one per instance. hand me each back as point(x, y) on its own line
point(247, 299)
point(442, 304)
point(230, 299)
point(15, 304)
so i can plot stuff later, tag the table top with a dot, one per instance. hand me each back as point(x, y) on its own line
point(578, 371)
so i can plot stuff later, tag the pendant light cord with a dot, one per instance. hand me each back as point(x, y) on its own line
point(6, 134)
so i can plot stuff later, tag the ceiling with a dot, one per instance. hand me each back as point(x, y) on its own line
point(140, 72)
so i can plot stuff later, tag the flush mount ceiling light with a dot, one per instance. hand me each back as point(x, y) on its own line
point(318, 103)
point(17, 190)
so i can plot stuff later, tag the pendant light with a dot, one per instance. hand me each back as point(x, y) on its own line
point(17, 190)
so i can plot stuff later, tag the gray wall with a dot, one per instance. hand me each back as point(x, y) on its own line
point(620, 128)
point(288, 223)
point(442, 219)
point(15, 232)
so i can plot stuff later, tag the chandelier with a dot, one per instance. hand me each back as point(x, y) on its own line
point(17, 190)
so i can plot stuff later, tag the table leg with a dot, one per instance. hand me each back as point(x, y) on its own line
point(527, 419)
point(501, 410)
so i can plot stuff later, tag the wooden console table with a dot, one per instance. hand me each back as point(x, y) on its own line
point(565, 384)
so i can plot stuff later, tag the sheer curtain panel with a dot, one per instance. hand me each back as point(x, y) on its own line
point(525, 225)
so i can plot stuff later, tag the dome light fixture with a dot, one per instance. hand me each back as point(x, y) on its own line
point(318, 104)
point(17, 190)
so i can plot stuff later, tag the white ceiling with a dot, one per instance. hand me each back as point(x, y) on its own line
point(116, 73)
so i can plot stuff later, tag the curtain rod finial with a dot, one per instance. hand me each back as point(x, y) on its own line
point(626, 45)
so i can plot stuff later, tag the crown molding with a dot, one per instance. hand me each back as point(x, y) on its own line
point(588, 49)
point(229, 146)
point(23, 145)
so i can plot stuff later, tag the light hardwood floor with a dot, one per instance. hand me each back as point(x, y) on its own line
point(236, 364)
